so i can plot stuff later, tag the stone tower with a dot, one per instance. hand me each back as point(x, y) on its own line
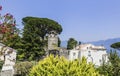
point(52, 40)
point(53, 44)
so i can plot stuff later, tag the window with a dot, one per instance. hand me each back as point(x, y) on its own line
point(89, 53)
point(74, 54)
point(89, 59)
point(100, 60)
point(79, 54)
point(68, 52)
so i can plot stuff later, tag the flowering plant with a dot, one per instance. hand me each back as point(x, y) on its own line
point(7, 25)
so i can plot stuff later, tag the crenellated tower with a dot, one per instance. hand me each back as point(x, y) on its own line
point(53, 43)
point(52, 40)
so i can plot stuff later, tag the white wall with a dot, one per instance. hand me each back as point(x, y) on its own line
point(73, 54)
point(9, 58)
point(96, 55)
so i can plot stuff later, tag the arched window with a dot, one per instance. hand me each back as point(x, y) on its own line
point(74, 55)
point(89, 58)
point(89, 53)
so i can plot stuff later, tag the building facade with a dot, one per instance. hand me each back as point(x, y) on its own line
point(94, 54)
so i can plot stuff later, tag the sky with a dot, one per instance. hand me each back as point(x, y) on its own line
point(84, 20)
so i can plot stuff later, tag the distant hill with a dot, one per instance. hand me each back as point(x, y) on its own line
point(105, 43)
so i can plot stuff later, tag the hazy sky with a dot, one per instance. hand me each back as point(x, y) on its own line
point(84, 20)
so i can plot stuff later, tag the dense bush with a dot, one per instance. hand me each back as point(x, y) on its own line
point(23, 68)
point(59, 66)
point(112, 68)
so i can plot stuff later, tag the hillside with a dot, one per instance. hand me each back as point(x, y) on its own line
point(107, 43)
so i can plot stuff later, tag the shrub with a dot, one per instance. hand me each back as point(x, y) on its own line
point(59, 66)
point(112, 68)
point(23, 68)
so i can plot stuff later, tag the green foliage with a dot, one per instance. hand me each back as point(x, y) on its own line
point(34, 32)
point(32, 47)
point(1, 64)
point(45, 25)
point(14, 42)
point(23, 68)
point(113, 67)
point(59, 66)
point(116, 45)
point(105, 70)
point(7, 26)
point(115, 63)
point(71, 43)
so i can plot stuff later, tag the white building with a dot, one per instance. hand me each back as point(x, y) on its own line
point(94, 54)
